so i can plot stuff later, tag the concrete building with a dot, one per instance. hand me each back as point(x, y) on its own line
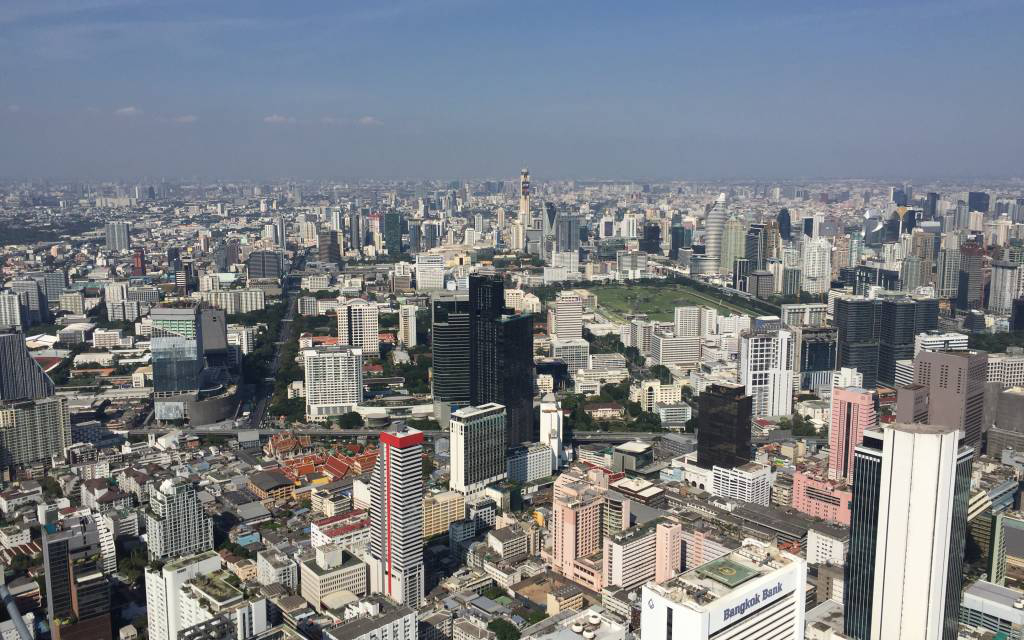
point(956, 389)
point(176, 523)
point(477, 448)
point(551, 425)
point(407, 325)
point(33, 430)
point(330, 571)
point(440, 510)
point(766, 368)
point(334, 381)
point(751, 482)
point(854, 411)
point(163, 592)
point(358, 326)
point(529, 462)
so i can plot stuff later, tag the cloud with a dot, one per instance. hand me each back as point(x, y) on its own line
point(368, 121)
point(279, 119)
point(128, 112)
point(13, 108)
point(187, 119)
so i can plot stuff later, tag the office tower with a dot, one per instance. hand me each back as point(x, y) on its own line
point(854, 411)
point(264, 265)
point(901, 319)
point(33, 430)
point(430, 269)
point(407, 324)
point(741, 268)
point(334, 381)
point(814, 349)
point(52, 283)
point(912, 404)
point(328, 247)
point(477, 448)
point(164, 593)
point(723, 426)
point(785, 224)
point(450, 364)
point(551, 429)
point(176, 523)
point(392, 233)
point(977, 201)
point(733, 232)
point(678, 241)
point(501, 356)
point(567, 233)
point(34, 304)
point(907, 533)
point(568, 316)
point(524, 198)
point(857, 336)
point(971, 282)
point(766, 367)
point(756, 246)
point(118, 235)
point(1006, 286)
point(21, 377)
point(755, 591)
point(356, 231)
point(1017, 315)
point(282, 233)
point(956, 389)
point(358, 322)
point(76, 587)
point(10, 312)
point(931, 206)
point(396, 517)
point(714, 227)
point(761, 284)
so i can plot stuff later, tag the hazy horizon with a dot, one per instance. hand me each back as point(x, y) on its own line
point(113, 89)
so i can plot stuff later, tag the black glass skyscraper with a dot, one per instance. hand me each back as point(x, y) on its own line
point(785, 224)
point(857, 335)
point(501, 356)
point(448, 342)
point(393, 233)
point(723, 427)
point(977, 201)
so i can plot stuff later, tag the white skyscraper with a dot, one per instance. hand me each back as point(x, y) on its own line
point(358, 326)
point(163, 591)
point(10, 311)
point(694, 322)
point(714, 226)
point(396, 517)
point(407, 324)
point(524, 197)
point(909, 513)
point(477, 449)
point(429, 272)
point(551, 420)
point(766, 367)
point(1006, 286)
point(334, 381)
point(176, 523)
point(817, 265)
point(568, 316)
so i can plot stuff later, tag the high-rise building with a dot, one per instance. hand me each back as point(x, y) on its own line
point(977, 201)
point(35, 306)
point(407, 324)
point(164, 593)
point(900, 320)
point(328, 247)
point(334, 381)
point(766, 367)
point(477, 448)
point(430, 269)
point(524, 197)
point(714, 226)
point(10, 312)
point(449, 337)
point(358, 322)
point(21, 377)
point(396, 517)
point(76, 587)
point(568, 316)
point(33, 430)
point(971, 283)
point(733, 247)
point(176, 523)
point(816, 265)
point(264, 265)
point(118, 235)
point(551, 429)
point(1006, 286)
point(854, 411)
point(785, 224)
point(956, 389)
point(907, 533)
point(723, 426)
point(857, 337)
point(501, 356)
point(393, 233)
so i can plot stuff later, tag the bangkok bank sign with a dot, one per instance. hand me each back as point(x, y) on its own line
point(753, 602)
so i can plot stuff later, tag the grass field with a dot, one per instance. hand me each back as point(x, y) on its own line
point(659, 302)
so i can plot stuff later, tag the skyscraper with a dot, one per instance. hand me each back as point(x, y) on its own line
point(34, 304)
point(524, 197)
point(785, 224)
point(568, 316)
point(176, 523)
point(714, 225)
point(407, 324)
point(76, 587)
point(21, 377)
point(857, 336)
point(971, 284)
point(956, 389)
point(1006, 286)
point(393, 233)
point(33, 430)
point(907, 533)
point(854, 411)
point(766, 367)
point(10, 312)
point(551, 429)
point(118, 235)
point(450, 335)
point(977, 201)
point(358, 322)
point(477, 436)
point(723, 427)
point(396, 517)
point(501, 356)
point(334, 381)
point(732, 243)
point(163, 592)
point(328, 247)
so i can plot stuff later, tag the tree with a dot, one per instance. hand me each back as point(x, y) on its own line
point(662, 373)
point(351, 420)
point(503, 629)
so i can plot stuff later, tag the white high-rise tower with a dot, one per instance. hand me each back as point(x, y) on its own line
point(714, 226)
point(551, 420)
point(524, 198)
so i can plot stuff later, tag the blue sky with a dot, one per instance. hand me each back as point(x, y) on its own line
point(472, 88)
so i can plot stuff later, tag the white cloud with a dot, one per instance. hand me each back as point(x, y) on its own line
point(128, 112)
point(279, 119)
point(187, 119)
point(368, 121)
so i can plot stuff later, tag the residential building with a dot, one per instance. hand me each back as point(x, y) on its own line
point(176, 523)
point(358, 326)
point(334, 381)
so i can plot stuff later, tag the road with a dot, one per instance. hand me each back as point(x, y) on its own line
point(228, 428)
point(266, 389)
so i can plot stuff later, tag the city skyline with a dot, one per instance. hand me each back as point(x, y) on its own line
point(458, 88)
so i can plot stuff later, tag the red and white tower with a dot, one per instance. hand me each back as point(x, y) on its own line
point(396, 517)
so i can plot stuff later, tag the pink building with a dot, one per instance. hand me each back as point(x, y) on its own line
point(669, 551)
point(853, 412)
point(576, 532)
point(821, 498)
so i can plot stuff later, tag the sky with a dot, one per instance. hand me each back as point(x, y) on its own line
point(226, 89)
